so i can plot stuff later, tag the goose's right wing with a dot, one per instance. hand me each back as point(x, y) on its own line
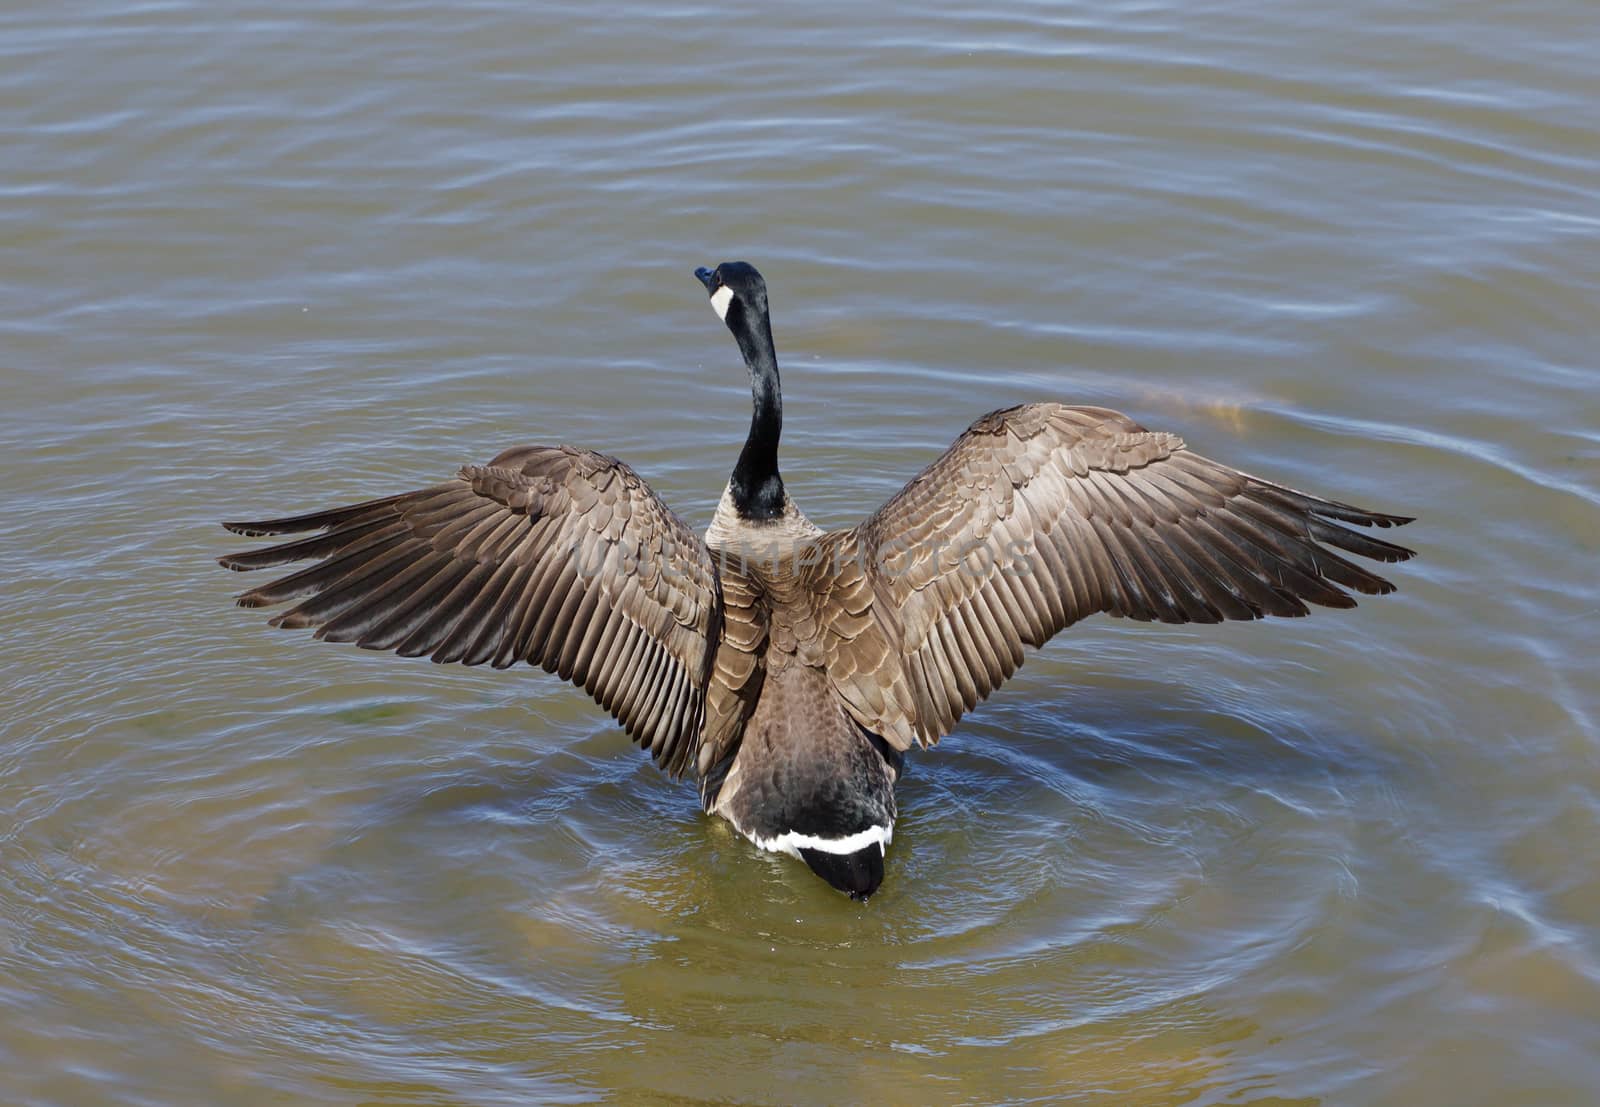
point(553, 555)
point(1041, 515)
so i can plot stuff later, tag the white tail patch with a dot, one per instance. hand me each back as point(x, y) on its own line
point(720, 299)
point(793, 842)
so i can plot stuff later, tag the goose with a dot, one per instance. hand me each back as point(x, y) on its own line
point(792, 669)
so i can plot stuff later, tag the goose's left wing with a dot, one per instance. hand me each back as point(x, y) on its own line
point(554, 555)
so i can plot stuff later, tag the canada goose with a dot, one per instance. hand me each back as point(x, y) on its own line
point(792, 668)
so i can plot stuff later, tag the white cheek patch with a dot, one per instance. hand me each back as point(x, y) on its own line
point(720, 299)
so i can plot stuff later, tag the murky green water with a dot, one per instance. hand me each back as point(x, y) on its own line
point(266, 257)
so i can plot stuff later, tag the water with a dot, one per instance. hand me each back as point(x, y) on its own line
point(263, 258)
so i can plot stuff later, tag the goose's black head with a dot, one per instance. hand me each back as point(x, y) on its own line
point(738, 294)
point(739, 297)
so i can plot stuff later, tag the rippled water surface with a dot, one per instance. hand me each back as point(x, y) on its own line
point(260, 258)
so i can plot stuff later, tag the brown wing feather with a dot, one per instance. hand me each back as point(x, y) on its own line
point(1041, 515)
point(738, 674)
point(553, 555)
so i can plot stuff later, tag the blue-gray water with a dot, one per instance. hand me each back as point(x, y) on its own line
point(260, 258)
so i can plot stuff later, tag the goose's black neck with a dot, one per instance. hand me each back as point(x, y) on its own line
point(757, 488)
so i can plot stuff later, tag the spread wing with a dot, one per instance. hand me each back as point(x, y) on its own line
point(560, 557)
point(1041, 515)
